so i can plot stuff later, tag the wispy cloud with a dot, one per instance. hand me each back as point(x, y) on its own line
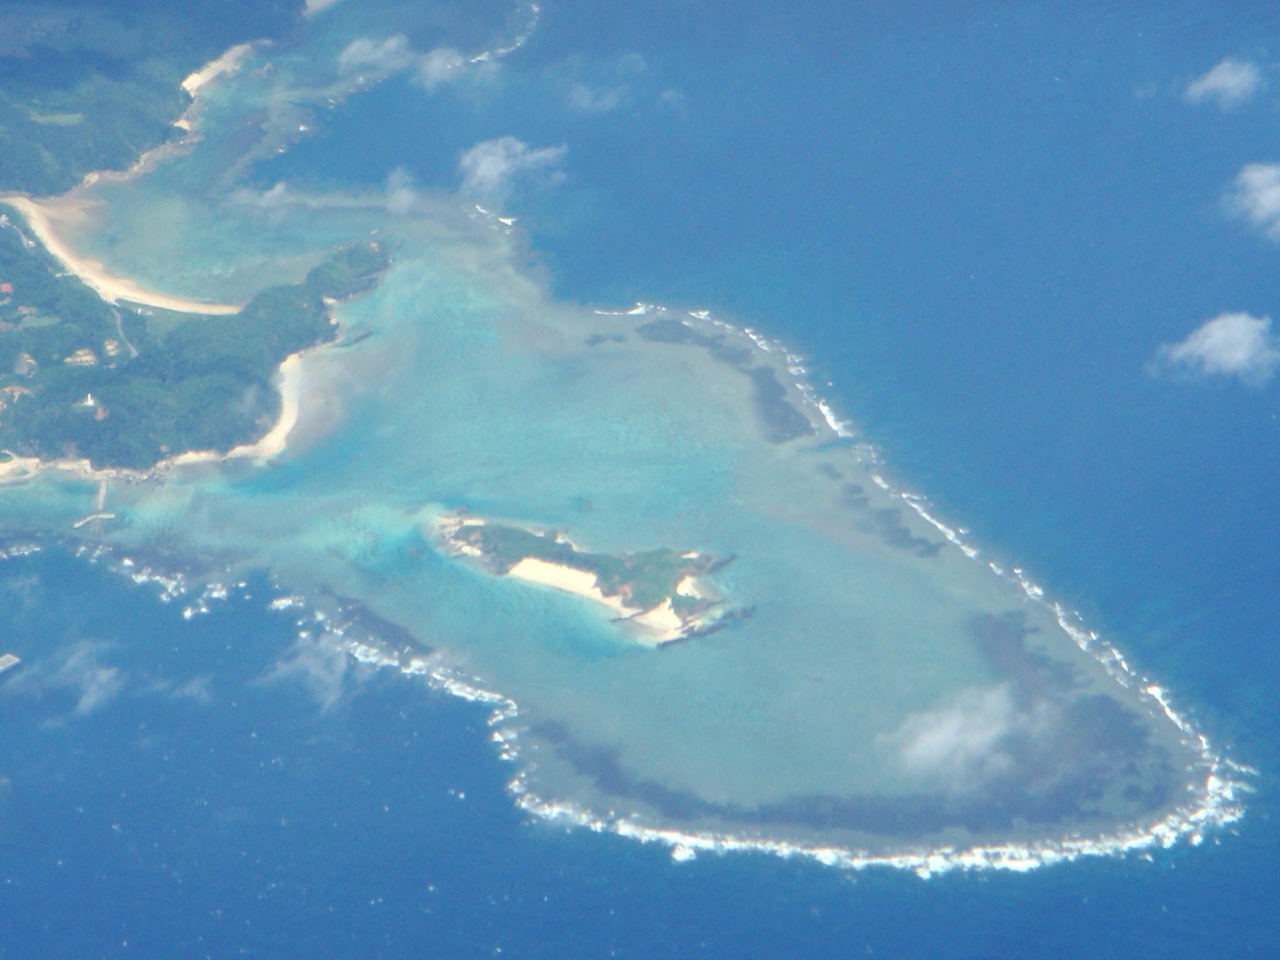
point(491, 170)
point(321, 668)
point(1230, 84)
point(674, 100)
point(380, 58)
point(315, 6)
point(1230, 345)
point(593, 87)
point(79, 673)
point(1254, 196)
point(587, 99)
point(959, 746)
point(402, 197)
point(441, 65)
point(199, 689)
point(96, 684)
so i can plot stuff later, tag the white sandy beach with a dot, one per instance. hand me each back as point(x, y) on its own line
point(662, 620)
point(568, 579)
point(16, 470)
point(276, 439)
point(273, 444)
point(228, 63)
point(42, 218)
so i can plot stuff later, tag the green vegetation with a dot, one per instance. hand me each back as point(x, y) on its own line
point(640, 580)
point(81, 378)
point(91, 84)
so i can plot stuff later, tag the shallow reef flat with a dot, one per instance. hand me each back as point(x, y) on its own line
point(894, 690)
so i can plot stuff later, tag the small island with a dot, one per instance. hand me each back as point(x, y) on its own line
point(662, 592)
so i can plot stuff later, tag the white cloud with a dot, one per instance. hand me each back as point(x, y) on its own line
point(1229, 84)
point(380, 59)
point(594, 100)
point(959, 745)
point(197, 688)
point(96, 685)
point(1231, 344)
point(315, 6)
point(401, 195)
point(374, 59)
point(277, 196)
point(1254, 195)
point(672, 98)
point(981, 737)
point(594, 87)
point(319, 667)
point(81, 674)
point(440, 66)
point(490, 170)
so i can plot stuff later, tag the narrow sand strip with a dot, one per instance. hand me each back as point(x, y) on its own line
point(40, 217)
point(228, 63)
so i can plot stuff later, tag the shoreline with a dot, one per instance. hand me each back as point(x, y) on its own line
point(1184, 822)
point(18, 470)
point(1215, 803)
point(569, 580)
point(39, 218)
point(275, 441)
point(228, 63)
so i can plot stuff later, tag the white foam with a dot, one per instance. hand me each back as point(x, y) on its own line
point(1217, 805)
point(841, 428)
point(1215, 798)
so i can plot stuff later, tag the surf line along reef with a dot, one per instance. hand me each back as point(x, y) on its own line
point(892, 694)
point(663, 593)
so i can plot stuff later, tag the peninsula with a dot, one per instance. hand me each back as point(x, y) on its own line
point(126, 385)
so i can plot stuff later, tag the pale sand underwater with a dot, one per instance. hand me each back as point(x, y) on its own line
point(884, 689)
point(43, 217)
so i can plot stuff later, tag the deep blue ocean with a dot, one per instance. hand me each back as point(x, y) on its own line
point(979, 221)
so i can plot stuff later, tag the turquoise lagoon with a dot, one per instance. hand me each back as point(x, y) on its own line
point(885, 691)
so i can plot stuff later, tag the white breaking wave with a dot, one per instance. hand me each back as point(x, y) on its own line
point(1216, 800)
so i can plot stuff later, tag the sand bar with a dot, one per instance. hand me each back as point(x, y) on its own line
point(41, 217)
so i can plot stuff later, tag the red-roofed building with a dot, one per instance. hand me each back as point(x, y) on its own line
point(6, 288)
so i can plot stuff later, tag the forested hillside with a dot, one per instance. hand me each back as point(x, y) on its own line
point(90, 84)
